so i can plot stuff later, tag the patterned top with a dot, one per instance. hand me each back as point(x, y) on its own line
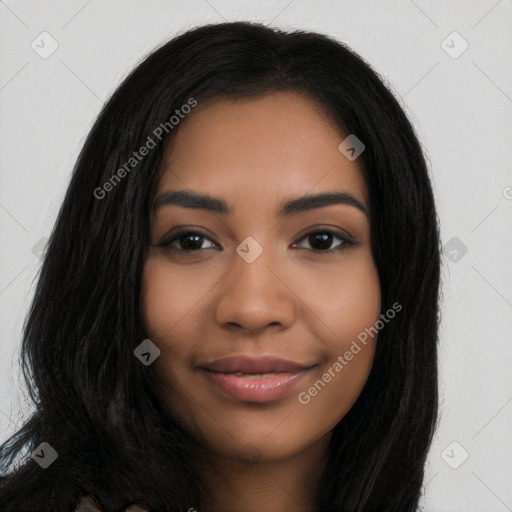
point(88, 503)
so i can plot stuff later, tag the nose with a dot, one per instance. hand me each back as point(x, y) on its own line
point(256, 295)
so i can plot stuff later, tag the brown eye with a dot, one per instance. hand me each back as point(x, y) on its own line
point(322, 241)
point(190, 242)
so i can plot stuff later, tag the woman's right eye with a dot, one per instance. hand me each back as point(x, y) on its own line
point(188, 242)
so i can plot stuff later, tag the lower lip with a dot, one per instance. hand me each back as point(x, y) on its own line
point(264, 389)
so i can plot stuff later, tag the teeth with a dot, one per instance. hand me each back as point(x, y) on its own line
point(253, 375)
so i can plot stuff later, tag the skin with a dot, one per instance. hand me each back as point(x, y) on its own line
point(290, 302)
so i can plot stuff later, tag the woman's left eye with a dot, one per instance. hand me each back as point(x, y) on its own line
point(323, 239)
point(320, 241)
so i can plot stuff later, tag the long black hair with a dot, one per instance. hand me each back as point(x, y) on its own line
point(94, 401)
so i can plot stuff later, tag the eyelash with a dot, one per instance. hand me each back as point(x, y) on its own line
point(166, 243)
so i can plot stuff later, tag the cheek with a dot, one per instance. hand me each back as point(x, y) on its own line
point(347, 306)
point(342, 299)
point(170, 299)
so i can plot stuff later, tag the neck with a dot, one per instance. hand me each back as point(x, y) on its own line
point(271, 485)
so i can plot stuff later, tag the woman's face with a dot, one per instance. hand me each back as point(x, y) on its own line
point(255, 291)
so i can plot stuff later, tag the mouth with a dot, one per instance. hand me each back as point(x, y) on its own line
point(250, 379)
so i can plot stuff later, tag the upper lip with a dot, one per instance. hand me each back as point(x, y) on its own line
point(254, 365)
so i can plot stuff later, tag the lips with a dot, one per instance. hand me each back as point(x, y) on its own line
point(254, 365)
point(255, 379)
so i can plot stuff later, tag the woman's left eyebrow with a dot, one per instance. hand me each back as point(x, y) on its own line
point(291, 206)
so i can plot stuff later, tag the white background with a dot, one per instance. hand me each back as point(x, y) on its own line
point(461, 108)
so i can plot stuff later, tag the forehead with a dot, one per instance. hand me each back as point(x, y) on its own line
point(265, 147)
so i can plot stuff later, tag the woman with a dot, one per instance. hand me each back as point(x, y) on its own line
point(238, 306)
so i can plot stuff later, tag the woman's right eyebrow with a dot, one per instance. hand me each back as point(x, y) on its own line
point(291, 206)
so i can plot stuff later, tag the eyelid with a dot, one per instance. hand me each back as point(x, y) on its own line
point(176, 233)
point(343, 234)
point(347, 239)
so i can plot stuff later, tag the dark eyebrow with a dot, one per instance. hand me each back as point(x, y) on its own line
point(187, 199)
point(304, 203)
